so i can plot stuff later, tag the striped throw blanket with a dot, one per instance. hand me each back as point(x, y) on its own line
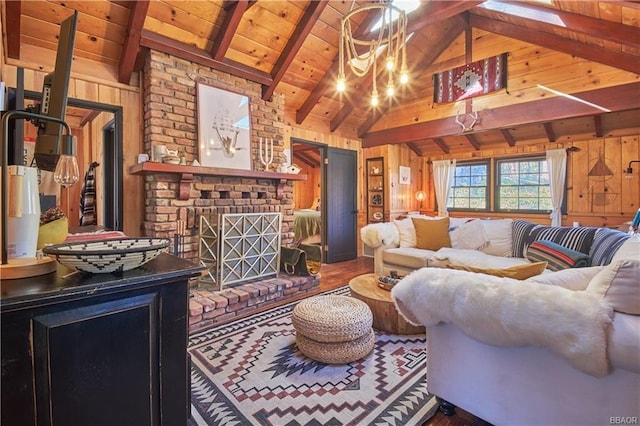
point(88, 197)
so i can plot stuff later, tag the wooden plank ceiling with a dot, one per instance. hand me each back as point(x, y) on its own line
point(291, 47)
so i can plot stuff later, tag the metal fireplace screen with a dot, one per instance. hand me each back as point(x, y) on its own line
point(238, 247)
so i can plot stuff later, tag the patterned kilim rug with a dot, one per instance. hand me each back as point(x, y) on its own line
point(250, 372)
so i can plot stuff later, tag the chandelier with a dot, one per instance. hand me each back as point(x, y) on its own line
point(361, 54)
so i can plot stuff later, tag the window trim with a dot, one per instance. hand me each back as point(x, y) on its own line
point(496, 186)
point(488, 163)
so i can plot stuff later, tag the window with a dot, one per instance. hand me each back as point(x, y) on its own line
point(470, 187)
point(523, 185)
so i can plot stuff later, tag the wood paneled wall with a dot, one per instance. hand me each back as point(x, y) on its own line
point(399, 197)
point(305, 193)
point(533, 73)
point(601, 200)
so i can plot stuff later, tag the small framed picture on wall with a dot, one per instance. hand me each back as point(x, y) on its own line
point(405, 175)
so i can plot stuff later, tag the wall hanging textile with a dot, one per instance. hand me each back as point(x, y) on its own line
point(470, 80)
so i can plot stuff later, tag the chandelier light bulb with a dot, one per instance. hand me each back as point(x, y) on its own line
point(390, 90)
point(360, 54)
point(341, 84)
point(66, 172)
point(404, 75)
point(374, 98)
point(390, 63)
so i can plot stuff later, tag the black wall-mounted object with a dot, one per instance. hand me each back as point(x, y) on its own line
point(54, 98)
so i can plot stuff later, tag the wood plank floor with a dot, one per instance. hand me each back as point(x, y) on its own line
point(337, 274)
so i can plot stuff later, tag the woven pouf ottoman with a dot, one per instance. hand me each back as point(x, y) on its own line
point(333, 329)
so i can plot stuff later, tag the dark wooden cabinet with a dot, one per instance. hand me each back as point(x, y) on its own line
point(107, 349)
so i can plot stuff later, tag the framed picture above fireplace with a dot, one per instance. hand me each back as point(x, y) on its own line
point(224, 128)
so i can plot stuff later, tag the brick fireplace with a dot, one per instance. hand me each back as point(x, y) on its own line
point(170, 118)
point(176, 196)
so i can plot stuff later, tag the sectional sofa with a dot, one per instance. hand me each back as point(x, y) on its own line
point(481, 242)
point(561, 347)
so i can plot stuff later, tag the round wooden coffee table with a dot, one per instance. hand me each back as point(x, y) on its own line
point(385, 315)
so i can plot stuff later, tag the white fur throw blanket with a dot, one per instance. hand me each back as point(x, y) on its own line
point(508, 312)
point(377, 234)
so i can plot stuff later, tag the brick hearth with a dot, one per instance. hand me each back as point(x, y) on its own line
point(207, 308)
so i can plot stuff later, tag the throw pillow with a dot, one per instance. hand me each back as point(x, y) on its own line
point(499, 233)
point(557, 256)
point(520, 272)
point(619, 285)
point(455, 222)
point(606, 243)
point(521, 232)
point(576, 279)
point(432, 234)
point(469, 235)
point(629, 250)
point(407, 232)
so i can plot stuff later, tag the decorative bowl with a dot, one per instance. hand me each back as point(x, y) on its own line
point(171, 159)
point(387, 282)
point(106, 256)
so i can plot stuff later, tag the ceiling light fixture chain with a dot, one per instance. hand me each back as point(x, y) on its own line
point(361, 54)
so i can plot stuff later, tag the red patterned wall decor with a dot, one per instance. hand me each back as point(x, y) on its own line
point(468, 81)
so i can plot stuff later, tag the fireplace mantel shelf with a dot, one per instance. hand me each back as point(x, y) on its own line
point(186, 175)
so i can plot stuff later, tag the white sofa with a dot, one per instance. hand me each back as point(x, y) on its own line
point(393, 243)
point(499, 243)
point(527, 352)
point(562, 348)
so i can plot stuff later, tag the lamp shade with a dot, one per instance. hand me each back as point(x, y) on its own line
point(421, 195)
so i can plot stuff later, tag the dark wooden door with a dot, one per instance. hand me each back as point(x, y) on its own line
point(340, 209)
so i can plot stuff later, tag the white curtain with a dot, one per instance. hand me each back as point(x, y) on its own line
point(443, 172)
point(557, 162)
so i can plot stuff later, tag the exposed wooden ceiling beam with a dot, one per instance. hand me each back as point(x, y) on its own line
point(306, 159)
point(597, 122)
point(457, 26)
point(548, 129)
point(234, 11)
point(437, 11)
point(430, 13)
point(617, 98)
point(329, 77)
point(13, 10)
point(473, 141)
point(302, 147)
point(373, 118)
point(413, 147)
point(508, 137)
point(546, 19)
point(191, 53)
point(443, 146)
point(90, 117)
point(131, 45)
point(620, 60)
point(303, 29)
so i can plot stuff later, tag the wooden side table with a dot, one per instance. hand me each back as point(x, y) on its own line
point(385, 315)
